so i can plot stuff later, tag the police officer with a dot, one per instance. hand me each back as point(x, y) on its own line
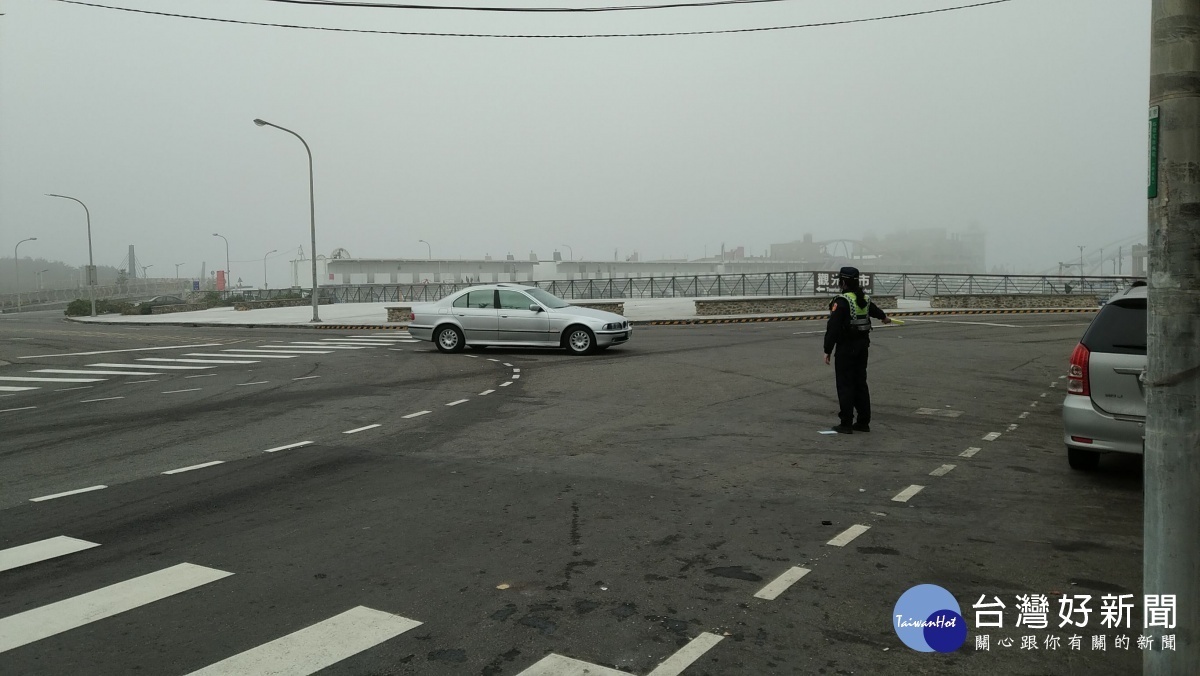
point(849, 330)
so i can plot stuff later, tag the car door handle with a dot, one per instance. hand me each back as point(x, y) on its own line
point(1129, 371)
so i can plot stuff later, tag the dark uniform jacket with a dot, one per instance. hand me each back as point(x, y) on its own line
point(838, 331)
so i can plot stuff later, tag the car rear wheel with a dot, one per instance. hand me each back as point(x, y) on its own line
point(448, 339)
point(1082, 460)
point(580, 340)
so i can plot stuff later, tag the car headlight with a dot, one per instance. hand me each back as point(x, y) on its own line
point(616, 326)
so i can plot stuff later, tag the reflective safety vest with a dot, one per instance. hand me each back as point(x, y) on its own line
point(860, 318)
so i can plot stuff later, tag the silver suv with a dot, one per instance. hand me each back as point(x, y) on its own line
point(1105, 408)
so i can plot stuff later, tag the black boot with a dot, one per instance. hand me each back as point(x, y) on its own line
point(861, 427)
point(843, 428)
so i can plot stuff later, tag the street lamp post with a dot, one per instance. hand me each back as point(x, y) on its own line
point(91, 274)
point(570, 251)
point(177, 270)
point(265, 266)
point(1081, 267)
point(428, 248)
point(39, 278)
point(17, 267)
point(312, 209)
point(228, 272)
point(145, 268)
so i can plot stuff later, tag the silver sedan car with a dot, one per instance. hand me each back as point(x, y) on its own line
point(515, 315)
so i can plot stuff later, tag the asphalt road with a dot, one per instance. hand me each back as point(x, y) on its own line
point(615, 510)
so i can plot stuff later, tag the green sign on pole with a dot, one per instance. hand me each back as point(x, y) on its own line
point(1152, 176)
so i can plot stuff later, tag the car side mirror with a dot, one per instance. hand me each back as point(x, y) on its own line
point(535, 307)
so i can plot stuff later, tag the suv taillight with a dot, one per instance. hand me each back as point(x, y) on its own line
point(412, 316)
point(1077, 374)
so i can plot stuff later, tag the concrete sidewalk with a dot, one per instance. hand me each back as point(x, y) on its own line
point(361, 316)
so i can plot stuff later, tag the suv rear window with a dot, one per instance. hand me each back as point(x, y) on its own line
point(1119, 328)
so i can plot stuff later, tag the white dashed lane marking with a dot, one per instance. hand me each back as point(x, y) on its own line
point(942, 471)
point(356, 430)
point(506, 383)
point(414, 415)
point(192, 467)
point(847, 536)
point(11, 388)
point(969, 452)
point(288, 447)
point(456, 403)
point(306, 377)
point(23, 408)
point(156, 367)
point(781, 583)
point(907, 493)
point(203, 375)
point(72, 389)
point(486, 392)
point(96, 373)
point(1024, 415)
point(992, 436)
point(89, 401)
point(257, 382)
point(193, 389)
point(199, 361)
point(64, 494)
point(28, 379)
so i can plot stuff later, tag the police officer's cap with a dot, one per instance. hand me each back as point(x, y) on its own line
point(848, 273)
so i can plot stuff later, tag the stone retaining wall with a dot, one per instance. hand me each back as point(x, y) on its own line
point(168, 309)
point(615, 308)
point(283, 302)
point(398, 313)
point(775, 305)
point(1015, 300)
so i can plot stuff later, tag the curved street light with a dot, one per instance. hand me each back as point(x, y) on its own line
point(17, 267)
point(312, 208)
point(39, 277)
point(91, 272)
point(265, 266)
point(428, 248)
point(569, 249)
point(228, 272)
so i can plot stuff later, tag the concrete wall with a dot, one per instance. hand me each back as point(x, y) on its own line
point(289, 302)
point(775, 305)
point(167, 309)
point(1012, 300)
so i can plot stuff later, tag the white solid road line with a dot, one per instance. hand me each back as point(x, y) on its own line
point(72, 389)
point(257, 382)
point(361, 429)
point(969, 452)
point(156, 367)
point(202, 375)
point(456, 403)
point(486, 392)
point(42, 550)
point(781, 583)
point(10, 388)
point(327, 346)
point(199, 361)
point(265, 352)
point(88, 401)
point(30, 379)
point(77, 491)
point(942, 471)
point(96, 373)
point(396, 333)
point(991, 436)
point(410, 340)
point(77, 611)
point(288, 447)
point(226, 356)
point(192, 467)
point(848, 535)
point(358, 341)
point(135, 382)
point(315, 647)
point(23, 408)
point(907, 493)
point(306, 377)
point(193, 389)
point(414, 415)
point(135, 349)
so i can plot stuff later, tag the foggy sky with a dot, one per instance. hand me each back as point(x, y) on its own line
point(1028, 118)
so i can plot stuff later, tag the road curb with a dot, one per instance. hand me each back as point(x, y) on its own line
point(339, 327)
point(900, 313)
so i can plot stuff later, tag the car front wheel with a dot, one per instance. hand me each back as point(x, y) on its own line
point(580, 340)
point(449, 339)
point(1082, 460)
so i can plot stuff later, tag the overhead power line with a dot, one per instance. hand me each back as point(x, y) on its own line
point(476, 8)
point(535, 37)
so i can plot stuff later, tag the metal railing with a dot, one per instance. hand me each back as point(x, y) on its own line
point(904, 285)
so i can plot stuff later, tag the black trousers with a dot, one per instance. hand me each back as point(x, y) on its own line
point(850, 369)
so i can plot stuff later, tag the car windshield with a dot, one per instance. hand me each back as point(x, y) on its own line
point(548, 299)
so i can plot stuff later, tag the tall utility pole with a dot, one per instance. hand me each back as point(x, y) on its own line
point(1171, 558)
